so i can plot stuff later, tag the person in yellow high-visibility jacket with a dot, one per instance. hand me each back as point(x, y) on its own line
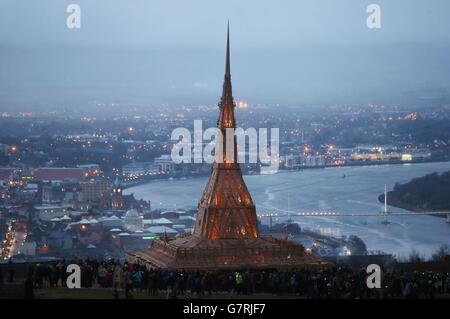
point(239, 282)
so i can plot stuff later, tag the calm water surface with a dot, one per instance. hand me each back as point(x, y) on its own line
point(326, 189)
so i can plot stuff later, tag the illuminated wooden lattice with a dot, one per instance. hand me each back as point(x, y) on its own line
point(226, 209)
point(226, 231)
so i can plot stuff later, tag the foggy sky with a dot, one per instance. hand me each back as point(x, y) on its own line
point(154, 51)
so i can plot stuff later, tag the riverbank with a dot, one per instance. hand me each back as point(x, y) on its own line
point(427, 193)
point(280, 171)
point(399, 204)
point(326, 190)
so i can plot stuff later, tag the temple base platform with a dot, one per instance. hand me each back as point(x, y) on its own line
point(192, 253)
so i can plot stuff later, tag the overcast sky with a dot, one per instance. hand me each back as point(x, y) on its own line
point(292, 51)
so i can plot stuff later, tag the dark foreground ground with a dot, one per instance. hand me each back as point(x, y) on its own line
point(104, 293)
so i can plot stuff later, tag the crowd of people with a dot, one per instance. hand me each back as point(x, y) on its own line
point(338, 282)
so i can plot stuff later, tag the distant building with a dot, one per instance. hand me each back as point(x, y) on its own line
point(172, 214)
point(91, 170)
point(157, 222)
point(4, 149)
point(165, 163)
point(6, 176)
point(48, 212)
point(111, 222)
point(115, 200)
point(291, 161)
point(421, 155)
point(318, 160)
point(116, 195)
point(58, 174)
point(59, 240)
point(162, 231)
point(135, 170)
point(133, 220)
point(28, 248)
point(67, 192)
point(94, 189)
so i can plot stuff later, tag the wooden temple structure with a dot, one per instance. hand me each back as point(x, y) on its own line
point(226, 234)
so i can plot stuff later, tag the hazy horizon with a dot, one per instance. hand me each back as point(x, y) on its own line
point(173, 52)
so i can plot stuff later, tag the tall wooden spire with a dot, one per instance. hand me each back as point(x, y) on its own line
point(226, 209)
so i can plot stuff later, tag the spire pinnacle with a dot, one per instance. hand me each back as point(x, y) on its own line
point(227, 66)
point(227, 91)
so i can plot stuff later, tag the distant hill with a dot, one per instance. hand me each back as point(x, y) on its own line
point(427, 193)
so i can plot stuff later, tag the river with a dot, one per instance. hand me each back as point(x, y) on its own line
point(327, 189)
